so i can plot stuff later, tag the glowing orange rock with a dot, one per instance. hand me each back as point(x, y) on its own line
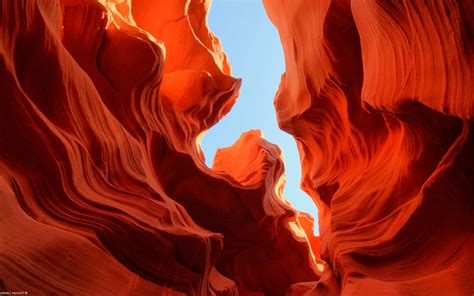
point(378, 95)
point(103, 184)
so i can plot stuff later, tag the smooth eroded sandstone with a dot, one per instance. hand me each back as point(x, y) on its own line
point(378, 95)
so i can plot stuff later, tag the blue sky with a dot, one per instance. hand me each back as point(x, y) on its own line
point(254, 50)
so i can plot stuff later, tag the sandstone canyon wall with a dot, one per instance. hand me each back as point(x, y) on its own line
point(379, 96)
point(103, 186)
point(104, 190)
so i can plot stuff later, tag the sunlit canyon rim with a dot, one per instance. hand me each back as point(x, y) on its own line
point(103, 185)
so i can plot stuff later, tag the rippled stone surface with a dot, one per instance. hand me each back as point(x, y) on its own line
point(103, 186)
point(378, 95)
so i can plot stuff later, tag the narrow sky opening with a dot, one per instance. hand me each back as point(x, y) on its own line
point(254, 50)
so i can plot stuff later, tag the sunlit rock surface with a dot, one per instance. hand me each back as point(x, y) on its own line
point(378, 95)
point(103, 186)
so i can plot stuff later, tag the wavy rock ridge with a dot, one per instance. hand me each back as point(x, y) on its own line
point(103, 186)
point(104, 190)
point(378, 95)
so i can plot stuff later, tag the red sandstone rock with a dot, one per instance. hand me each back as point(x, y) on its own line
point(103, 187)
point(378, 95)
point(103, 184)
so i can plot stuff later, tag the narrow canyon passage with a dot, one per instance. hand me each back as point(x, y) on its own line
point(253, 47)
point(106, 190)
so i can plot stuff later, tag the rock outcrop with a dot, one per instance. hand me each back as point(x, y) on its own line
point(378, 95)
point(104, 190)
point(103, 185)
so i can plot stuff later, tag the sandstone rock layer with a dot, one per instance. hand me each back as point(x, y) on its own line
point(104, 190)
point(378, 95)
point(103, 185)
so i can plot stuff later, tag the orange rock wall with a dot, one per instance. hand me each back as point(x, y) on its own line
point(103, 186)
point(378, 95)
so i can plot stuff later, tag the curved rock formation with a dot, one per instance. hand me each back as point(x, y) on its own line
point(378, 95)
point(103, 185)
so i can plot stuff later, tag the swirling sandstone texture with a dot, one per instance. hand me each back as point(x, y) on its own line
point(379, 96)
point(103, 187)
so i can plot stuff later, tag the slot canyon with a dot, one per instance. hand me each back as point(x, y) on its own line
point(104, 188)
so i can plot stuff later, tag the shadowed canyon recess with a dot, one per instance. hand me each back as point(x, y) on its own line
point(103, 185)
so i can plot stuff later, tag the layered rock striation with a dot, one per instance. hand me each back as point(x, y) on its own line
point(378, 95)
point(104, 189)
point(103, 186)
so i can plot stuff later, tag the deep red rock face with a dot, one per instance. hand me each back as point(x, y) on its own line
point(103, 186)
point(104, 190)
point(378, 95)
